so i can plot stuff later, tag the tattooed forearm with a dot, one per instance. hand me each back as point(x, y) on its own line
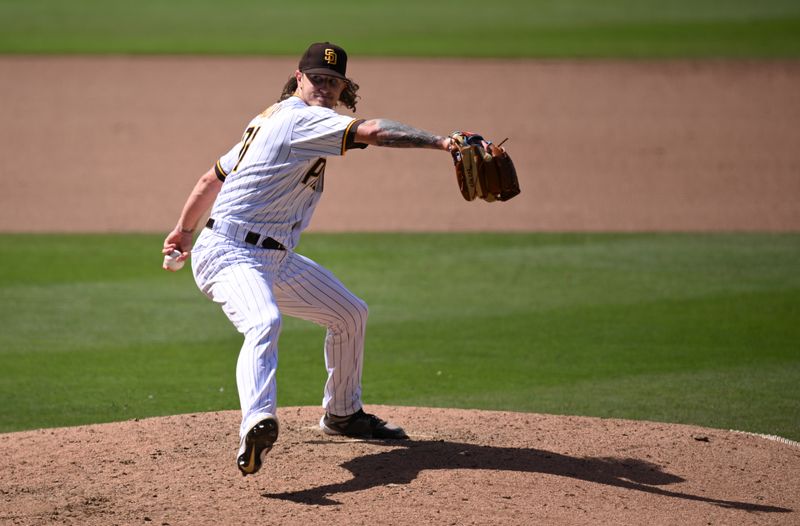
point(399, 135)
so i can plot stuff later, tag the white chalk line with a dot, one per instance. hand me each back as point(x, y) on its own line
point(774, 438)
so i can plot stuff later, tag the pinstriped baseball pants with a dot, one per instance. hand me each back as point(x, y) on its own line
point(255, 287)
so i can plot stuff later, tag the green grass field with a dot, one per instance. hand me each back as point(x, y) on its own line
point(691, 328)
point(508, 28)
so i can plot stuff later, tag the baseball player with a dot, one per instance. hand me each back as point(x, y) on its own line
point(262, 194)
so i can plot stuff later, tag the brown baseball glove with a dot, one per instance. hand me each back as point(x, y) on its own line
point(483, 169)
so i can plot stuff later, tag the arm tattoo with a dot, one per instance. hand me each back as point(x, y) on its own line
point(399, 135)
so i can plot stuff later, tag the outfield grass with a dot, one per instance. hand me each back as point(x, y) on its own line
point(684, 328)
point(507, 28)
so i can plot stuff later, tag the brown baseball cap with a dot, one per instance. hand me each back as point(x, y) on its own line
point(324, 58)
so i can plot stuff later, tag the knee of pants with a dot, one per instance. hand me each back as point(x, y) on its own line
point(353, 316)
point(264, 331)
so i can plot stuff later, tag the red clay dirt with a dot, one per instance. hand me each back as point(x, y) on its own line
point(461, 467)
point(114, 144)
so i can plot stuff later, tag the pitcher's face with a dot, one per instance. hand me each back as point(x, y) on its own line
point(319, 90)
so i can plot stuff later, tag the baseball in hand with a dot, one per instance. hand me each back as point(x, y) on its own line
point(171, 262)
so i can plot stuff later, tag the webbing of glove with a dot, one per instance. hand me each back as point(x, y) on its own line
point(499, 176)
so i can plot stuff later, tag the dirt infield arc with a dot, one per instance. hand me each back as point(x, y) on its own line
point(115, 143)
point(461, 467)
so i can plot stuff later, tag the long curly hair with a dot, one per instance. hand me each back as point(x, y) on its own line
point(349, 95)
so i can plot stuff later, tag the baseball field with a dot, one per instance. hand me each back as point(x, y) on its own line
point(618, 344)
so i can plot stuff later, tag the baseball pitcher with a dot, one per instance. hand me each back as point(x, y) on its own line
point(262, 194)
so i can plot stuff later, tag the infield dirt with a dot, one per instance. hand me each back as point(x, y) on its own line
point(461, 467)
point(115, 144)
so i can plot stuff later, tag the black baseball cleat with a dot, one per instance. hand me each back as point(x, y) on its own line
point(256, 444)
point(361, 425)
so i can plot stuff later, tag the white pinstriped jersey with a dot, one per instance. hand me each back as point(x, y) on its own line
point(273, 178)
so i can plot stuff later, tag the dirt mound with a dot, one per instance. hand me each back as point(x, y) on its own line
point(461, 467)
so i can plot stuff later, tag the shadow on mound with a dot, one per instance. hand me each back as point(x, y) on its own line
point(402, 465)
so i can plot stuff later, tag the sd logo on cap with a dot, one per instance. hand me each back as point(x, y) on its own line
point(324, 58)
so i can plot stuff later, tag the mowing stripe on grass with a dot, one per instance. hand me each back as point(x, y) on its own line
point(689, 328)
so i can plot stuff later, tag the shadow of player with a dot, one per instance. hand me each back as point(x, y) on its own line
point(402, 465)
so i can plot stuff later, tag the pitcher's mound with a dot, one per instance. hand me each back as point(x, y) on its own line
point(460, 467)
